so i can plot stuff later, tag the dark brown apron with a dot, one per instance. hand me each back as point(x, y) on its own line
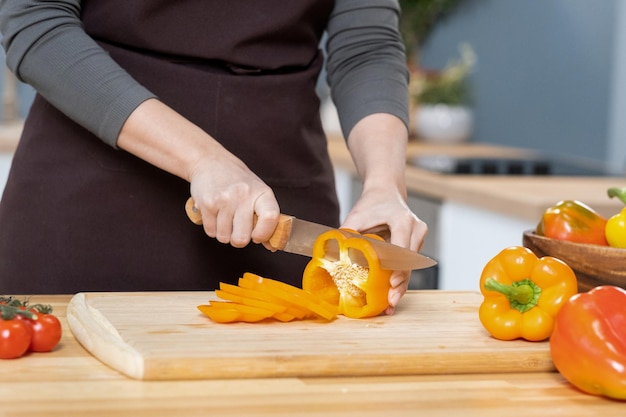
point(77, 215)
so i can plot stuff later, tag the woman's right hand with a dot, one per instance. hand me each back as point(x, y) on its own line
point(228, 195)
point(226, 192)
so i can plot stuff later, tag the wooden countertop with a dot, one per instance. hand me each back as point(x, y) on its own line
point(524, 197)
point(69, 382)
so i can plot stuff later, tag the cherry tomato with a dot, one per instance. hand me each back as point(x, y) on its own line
point(15, 337)
point(46, 332)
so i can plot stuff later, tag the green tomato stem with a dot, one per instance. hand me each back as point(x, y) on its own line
point(9, 312)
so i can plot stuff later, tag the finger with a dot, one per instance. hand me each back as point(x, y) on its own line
point(268, 212)
point(418, 236)
point(399, 278)
point(400, 231)
point(399, 281)
point(209, 221)
point(243, 221)
point(409, 235)
point(224, 225)
point(395, 295)
point(264, 229)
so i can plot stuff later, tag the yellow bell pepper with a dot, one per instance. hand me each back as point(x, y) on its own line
point(616, 225)
point(358, 291)
point(523, 294)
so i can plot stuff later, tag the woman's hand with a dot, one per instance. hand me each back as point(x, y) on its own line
point(387, 214)
point(228, 196)
point(378, 146)
point(227, 193)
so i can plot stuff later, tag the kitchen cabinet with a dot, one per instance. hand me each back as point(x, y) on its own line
point(470, 236)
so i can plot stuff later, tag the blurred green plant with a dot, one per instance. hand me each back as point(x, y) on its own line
point(449, 86)
point(417, 19)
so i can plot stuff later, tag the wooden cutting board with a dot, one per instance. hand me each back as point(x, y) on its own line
point(162, 336)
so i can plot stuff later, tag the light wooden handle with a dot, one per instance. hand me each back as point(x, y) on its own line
point(192, 212)
point(279, 238)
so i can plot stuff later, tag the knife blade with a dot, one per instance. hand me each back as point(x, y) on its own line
point(298, 236)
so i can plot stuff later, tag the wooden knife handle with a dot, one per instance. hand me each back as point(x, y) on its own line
point(192, 212)
point(279, 238)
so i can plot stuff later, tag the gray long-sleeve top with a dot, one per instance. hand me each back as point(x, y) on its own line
point(47, 48)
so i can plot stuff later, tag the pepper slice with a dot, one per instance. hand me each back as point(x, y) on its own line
point(231, 293)
point(588, 345)
point(523, 294)
point(254, 290)
point(573, 221)
point(227, 312)
point(290, 294)
point(357, 291)
point(257, 298)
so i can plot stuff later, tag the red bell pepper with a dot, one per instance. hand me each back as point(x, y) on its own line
point(573, 221)
point(588, 344)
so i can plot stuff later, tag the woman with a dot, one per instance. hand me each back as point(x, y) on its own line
point(137, 110)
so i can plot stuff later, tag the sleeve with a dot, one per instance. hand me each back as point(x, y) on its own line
point(366, 62)
point(47, 47)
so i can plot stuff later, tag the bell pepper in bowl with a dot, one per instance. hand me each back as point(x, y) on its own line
point(573, 221)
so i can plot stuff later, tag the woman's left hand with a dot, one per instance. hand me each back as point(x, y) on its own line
point(387, 214)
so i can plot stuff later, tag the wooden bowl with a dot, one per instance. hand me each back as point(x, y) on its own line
point(594, 265)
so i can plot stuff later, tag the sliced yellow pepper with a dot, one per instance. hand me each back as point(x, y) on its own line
point(257, 298)
point(232, 293)
point(357, 291)
point(253, 290)
point(227, 312)
point(293, 295)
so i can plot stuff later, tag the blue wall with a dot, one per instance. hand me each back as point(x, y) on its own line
point(543, 77)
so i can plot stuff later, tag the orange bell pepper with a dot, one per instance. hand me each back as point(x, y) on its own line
point(573, 221)
point(357, 291)
point(588, 345)
point(523, 294)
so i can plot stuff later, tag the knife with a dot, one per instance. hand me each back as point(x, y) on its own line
point(298, 236)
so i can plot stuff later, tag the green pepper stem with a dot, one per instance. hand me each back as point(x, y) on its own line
point(617, 192)
point(523, 295)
